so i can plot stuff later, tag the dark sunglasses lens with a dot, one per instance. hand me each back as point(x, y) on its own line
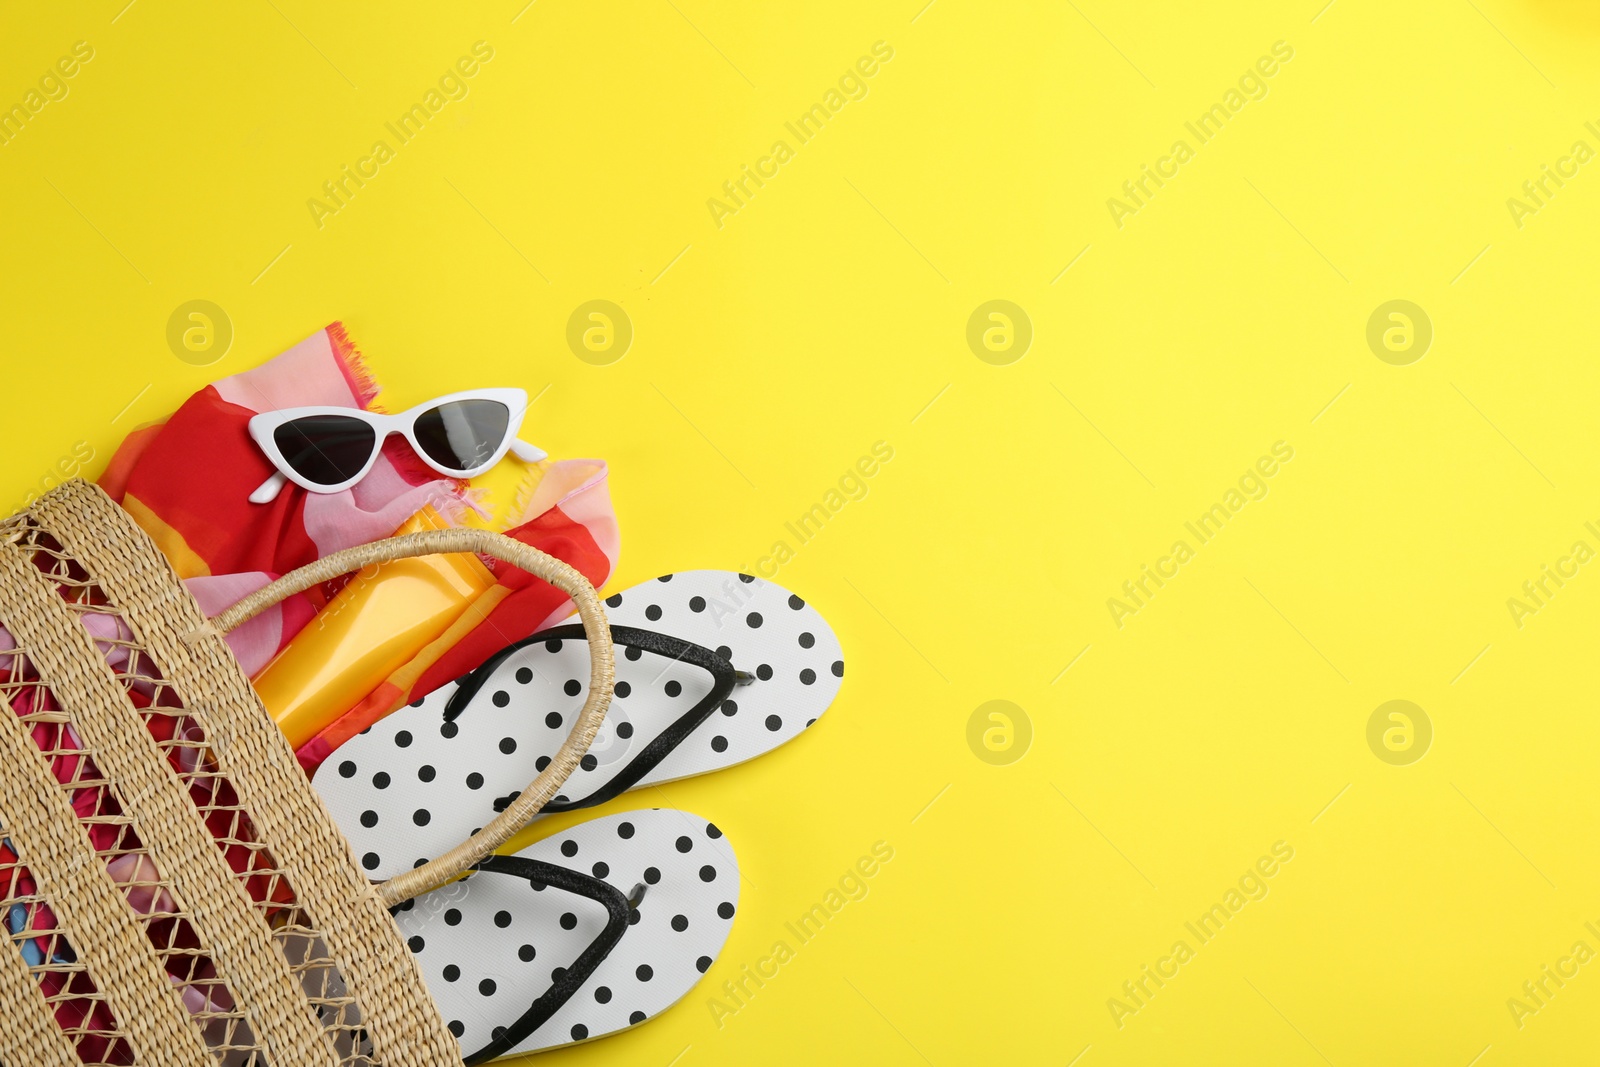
point(463, 435)
point(326, 449)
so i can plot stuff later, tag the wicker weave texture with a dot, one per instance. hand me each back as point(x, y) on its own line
point(172, 889)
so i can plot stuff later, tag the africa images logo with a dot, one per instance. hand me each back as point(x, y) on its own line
point(1252, 886)
point(52, 88)
point(852, 85)
point(1252, 85)
point(1538, 191)
point(1252, 485)
point(453, 85)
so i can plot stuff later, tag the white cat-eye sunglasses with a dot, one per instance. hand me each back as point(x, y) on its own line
point(329, 449)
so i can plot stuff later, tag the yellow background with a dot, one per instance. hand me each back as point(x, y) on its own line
point(772, 352)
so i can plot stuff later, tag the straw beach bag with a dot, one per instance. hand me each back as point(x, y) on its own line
point(172, 891)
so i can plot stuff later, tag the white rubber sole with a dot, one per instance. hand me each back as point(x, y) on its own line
point(489, 945)
point(413, 786)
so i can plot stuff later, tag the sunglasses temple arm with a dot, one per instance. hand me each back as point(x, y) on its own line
point(524, 451)
point(268, 491)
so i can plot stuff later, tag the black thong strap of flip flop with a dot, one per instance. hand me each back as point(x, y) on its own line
point(723, 674)
point(572, 978)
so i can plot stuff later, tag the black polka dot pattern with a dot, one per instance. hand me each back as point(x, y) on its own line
point(462, 772)
point(483, 979)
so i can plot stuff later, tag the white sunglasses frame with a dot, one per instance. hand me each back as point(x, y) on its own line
point(264, 426)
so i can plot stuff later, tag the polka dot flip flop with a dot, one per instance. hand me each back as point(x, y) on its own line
point(588, 932)
point(713, 668)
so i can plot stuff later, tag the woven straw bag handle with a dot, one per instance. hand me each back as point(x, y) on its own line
point(601, 674)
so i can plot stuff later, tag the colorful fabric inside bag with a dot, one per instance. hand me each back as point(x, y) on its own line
point(187, 482)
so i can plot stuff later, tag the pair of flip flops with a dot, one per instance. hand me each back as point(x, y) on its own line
point(610, 922)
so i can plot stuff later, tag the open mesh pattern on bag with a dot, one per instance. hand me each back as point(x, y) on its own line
point(184, 741)
point(103, 812)
point(74, 1000)
point(150, 920)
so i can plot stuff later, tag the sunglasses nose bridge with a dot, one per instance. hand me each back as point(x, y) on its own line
point(387, 430)
point(386, 426)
